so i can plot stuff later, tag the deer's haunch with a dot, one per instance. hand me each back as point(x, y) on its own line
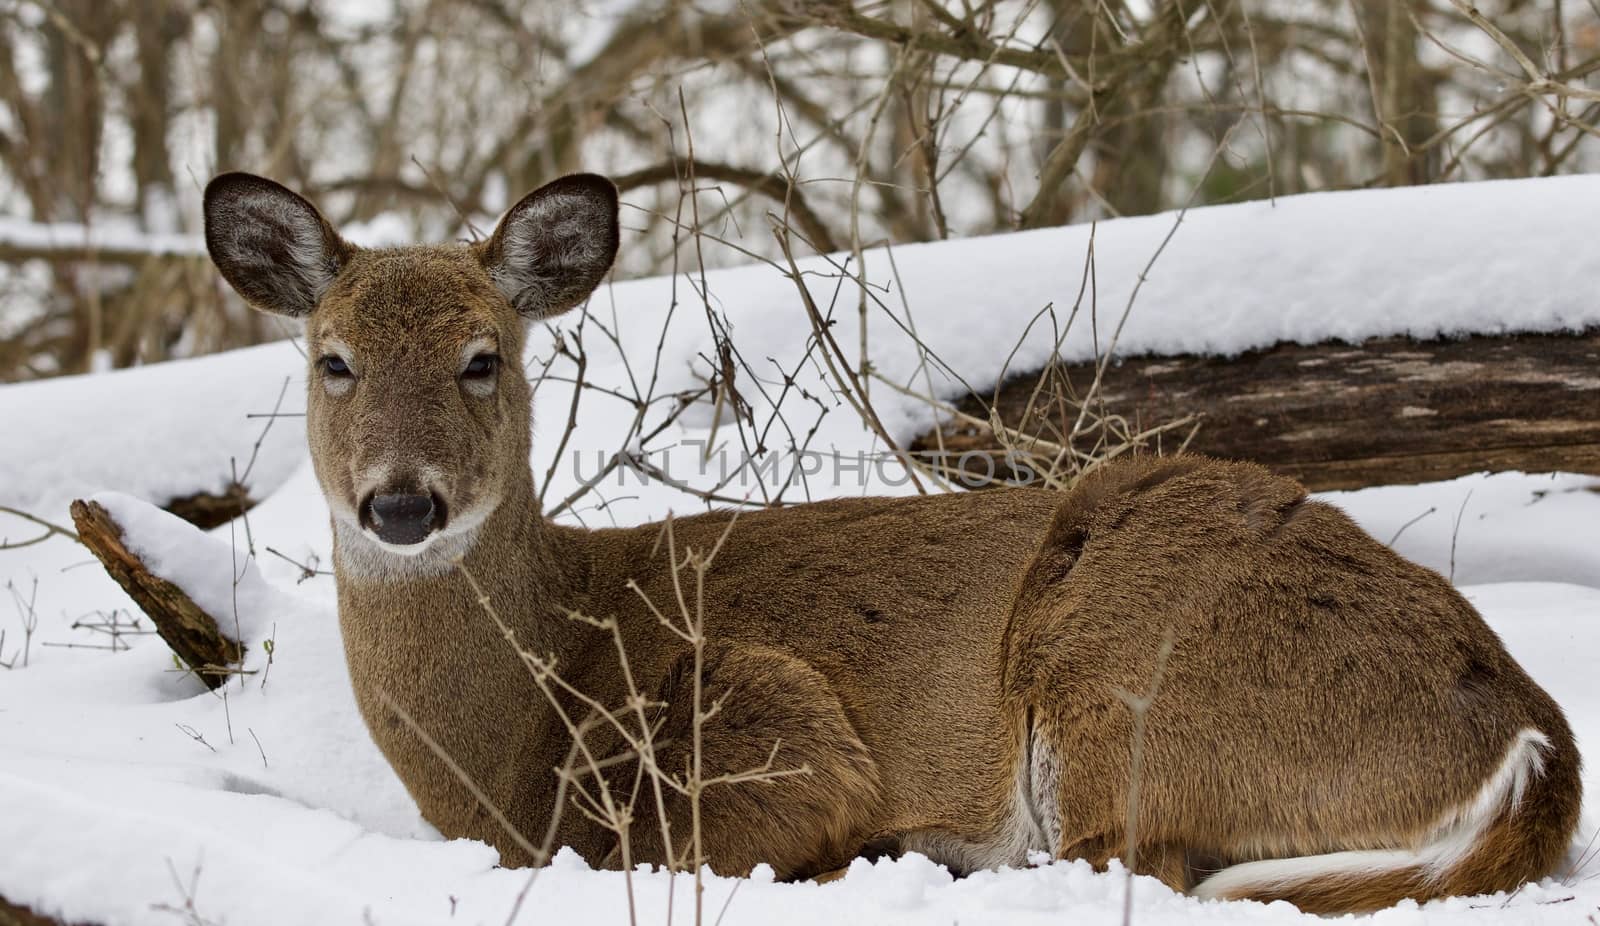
point(958, 675)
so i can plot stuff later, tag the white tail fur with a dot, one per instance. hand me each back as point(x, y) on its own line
point(1453, 837)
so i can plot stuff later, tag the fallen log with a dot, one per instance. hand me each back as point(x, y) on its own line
point(192, 633)
point(206, 510)
point(1345, 416)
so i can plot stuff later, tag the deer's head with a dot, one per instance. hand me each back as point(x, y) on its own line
point(418, 407)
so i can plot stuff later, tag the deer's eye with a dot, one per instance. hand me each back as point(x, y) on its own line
point(334, 365)
point(481, 367)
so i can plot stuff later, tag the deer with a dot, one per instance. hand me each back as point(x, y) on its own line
point(1334, 725)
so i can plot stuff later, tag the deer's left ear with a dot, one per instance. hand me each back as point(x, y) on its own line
point(555, 245)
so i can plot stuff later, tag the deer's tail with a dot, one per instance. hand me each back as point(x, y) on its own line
point(1516, 829)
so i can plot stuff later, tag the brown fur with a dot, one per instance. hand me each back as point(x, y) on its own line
point(1323, 694)
point(947, 667)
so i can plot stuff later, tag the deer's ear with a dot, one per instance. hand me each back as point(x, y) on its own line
point(271, 245)
point(555, 245)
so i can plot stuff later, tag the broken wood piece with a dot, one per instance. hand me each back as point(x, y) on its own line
point(1334, 415)
point(193, 634)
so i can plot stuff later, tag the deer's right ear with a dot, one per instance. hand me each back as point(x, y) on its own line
point(272, 246)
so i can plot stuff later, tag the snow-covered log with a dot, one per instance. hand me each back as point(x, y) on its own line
point(1335, 415)
point(187, 627)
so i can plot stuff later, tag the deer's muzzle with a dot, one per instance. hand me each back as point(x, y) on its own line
point(403, 519)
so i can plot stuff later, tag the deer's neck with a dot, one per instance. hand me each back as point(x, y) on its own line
point(420, 637)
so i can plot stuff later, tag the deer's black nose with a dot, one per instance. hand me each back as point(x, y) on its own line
point(402, 519)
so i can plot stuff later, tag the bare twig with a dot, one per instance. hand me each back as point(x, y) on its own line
point(1139, 705)
point(50, 530)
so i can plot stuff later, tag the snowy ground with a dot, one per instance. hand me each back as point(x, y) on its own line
point(126, 789)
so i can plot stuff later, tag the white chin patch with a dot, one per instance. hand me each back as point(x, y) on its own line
point(363, 555)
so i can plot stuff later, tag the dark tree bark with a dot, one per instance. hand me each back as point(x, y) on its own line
point(1345, 416)
point(156, 25)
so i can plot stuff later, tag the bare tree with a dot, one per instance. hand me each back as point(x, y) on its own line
point(858, 123)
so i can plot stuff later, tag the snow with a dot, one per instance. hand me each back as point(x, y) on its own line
point(120, 236)
point(111, 804)
point(157, 432)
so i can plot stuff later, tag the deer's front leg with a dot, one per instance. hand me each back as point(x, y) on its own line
point(783, 777)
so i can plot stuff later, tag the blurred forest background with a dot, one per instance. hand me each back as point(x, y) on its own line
point(852, 122)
